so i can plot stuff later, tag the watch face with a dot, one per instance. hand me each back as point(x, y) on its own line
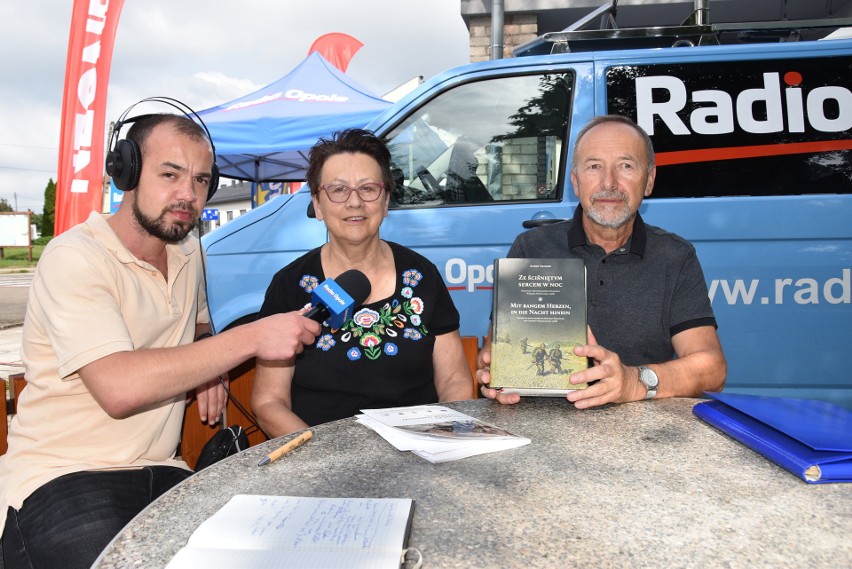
point(649, 378)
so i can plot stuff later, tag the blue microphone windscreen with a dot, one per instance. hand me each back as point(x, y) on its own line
point(342, 296)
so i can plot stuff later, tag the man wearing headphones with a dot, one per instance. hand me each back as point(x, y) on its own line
point(114, 307)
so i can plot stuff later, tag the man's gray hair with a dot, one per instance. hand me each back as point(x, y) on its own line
point(603, 119)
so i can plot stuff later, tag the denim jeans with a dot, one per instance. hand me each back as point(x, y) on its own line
point(70, 520)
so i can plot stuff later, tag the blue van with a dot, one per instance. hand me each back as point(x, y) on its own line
point(754, 155)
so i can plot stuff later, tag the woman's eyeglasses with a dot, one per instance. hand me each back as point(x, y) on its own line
point(339, 193)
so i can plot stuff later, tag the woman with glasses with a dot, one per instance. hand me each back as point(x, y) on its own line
point(402, 347)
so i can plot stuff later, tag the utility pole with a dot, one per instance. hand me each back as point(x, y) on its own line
point(702, 12)
point(497, 29)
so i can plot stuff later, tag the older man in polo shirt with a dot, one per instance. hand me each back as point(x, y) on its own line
point(652, 332)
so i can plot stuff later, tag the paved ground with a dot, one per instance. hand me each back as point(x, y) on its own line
point(13, 305)
point(10, 352)
point(14, 288)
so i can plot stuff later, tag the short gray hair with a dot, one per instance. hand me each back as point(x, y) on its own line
point(603, 119)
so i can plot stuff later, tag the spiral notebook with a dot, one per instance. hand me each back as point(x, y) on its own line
point(266, 532)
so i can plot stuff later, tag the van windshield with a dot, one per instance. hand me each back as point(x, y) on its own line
point(494, 140)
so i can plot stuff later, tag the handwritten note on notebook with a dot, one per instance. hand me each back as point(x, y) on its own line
point(260, 532)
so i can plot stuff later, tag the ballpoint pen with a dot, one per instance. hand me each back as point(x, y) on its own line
point(295, 443)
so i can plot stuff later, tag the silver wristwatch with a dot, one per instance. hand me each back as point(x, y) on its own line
point(650, 380)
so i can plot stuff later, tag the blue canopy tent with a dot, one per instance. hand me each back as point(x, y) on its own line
point(266, 135)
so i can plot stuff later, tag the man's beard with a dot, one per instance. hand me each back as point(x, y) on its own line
point(170, 233)
point(610, 218)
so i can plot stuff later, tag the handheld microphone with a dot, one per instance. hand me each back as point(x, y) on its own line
point(336, 301)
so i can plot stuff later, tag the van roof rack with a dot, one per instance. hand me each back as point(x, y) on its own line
point(608, 36)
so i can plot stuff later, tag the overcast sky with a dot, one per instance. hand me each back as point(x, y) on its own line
point(202, 52)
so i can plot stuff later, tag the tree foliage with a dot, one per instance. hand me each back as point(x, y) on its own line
point(4, 205)
point(35, 219)
point(49, 215)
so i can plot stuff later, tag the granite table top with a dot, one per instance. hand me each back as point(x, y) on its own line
point(643, 484)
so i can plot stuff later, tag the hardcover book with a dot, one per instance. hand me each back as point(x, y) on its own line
point(538, 317)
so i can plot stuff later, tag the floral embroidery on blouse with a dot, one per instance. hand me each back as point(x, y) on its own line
point(411, 277)
point(369, 332)
point(309, 283)
point(326, 342)
point(365, 318)
point(412, 334)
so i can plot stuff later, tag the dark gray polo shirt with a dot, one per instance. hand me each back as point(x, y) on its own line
point(640, 295)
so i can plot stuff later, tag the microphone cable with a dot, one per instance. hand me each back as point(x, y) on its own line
point(254, 426)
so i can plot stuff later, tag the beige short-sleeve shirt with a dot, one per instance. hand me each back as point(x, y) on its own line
point(90, 298)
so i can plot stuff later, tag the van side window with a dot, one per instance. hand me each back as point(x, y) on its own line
point(777, 127)
point(489, 141)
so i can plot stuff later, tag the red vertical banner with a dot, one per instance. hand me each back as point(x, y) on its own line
point(79, 180)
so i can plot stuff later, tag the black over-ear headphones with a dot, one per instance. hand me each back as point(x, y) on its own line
point(124, 158)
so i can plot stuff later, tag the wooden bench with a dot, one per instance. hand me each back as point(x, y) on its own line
point(13, 387)
point(195, 433)
point(19, 382)
point(470, 344)
point(4, 424)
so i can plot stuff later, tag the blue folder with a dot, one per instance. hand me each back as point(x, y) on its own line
point(812, 439)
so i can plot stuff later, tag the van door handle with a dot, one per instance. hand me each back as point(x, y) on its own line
point(530, 223)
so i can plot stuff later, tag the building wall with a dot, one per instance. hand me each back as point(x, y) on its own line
point(517, 29)
point(228, 211)
point(524, 20)
point(232, 200)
